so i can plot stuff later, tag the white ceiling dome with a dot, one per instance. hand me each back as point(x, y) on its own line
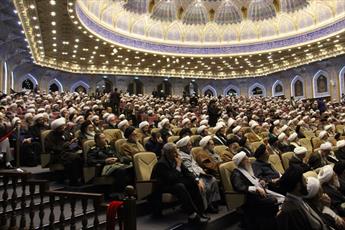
point(196, 14)
point(228, 13)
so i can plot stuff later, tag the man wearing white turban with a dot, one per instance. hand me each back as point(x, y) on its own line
point(261, 204)
point(207, 158)
point(330, 184)
point(323, 156)
point(63, 150)
point(207, 184)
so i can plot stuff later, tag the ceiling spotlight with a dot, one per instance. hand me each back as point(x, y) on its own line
point(115, 51)
point(32, 6)
point(53, 14)
point(52, 2)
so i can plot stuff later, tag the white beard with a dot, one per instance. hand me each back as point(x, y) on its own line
point(249, 169)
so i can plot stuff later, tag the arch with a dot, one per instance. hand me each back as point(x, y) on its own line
point(341, 81)
point(257, 85)
point(57, 82)
point(28, 84)
point(30, 77)
point(292, 85)
point(321, 84)
point(208, 87)
point(80, 83)
point(229, 87)
point(274, 92)
point(135, 87)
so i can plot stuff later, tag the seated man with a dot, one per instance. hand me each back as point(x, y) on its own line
point(173, 177)
point(322, 157)
point(131, 146)
point(219, 138)
point(112, 164)
point(64, 151)
point(165, 130)
point(330, 184)
point(298, 159)
point(340, 152)
point(207, 159)
point(155, 144)
point(207, 183)
point(144, 131)
point(261, 204)
point(296, 213)
point(282, 144)
point(263, 169)
point(320, 203)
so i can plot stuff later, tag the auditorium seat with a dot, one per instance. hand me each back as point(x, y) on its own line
point(224, 152)
point(309, 134)
point(155, 130)
point(144, 163)
point(340, 129)
point(316, 142)
point(251, 137)
point(264, 134)
point(89, 172)
point(253, 146)
point(305, 142)
point(286, 158)
point(146, 139)
point(233, 199)
point(193, 130)
point(176, 131)
point(173, 139)
point(195, 151)
point(111, 135)
point(195, 139)
point(118, 145)
point(45, 158)
point(274, 159)
point(77, 133)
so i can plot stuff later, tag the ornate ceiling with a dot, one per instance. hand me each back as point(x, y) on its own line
point(182, 38)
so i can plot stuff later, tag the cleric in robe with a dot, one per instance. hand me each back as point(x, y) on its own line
point(261, 204)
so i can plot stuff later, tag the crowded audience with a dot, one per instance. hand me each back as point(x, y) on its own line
point(184, 137)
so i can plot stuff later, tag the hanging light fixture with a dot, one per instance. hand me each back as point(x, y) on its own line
point(228, 13)
point(137, 6)
point(196, 14)
point(260, 10)
point(290, 6)
point(165, 10)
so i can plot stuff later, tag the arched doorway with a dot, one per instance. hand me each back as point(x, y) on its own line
point(231, 92)
point(53, 87)
point(104, 86)
point(257, 90)
point(208, 93)
point(191, 89)
point(28, 84)
point(80, 89)
point(135, 87)
point(164, 88)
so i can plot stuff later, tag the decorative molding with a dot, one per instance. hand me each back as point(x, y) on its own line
point(237, 89)
point(262, 87)
point(209, 87)
point(80, 83)
point(316, 76)
point(277, 82)
point(341, 81)
point(58, 83)
point(292, 85)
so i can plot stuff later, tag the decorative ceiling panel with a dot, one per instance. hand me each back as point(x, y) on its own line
point(89, 36)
